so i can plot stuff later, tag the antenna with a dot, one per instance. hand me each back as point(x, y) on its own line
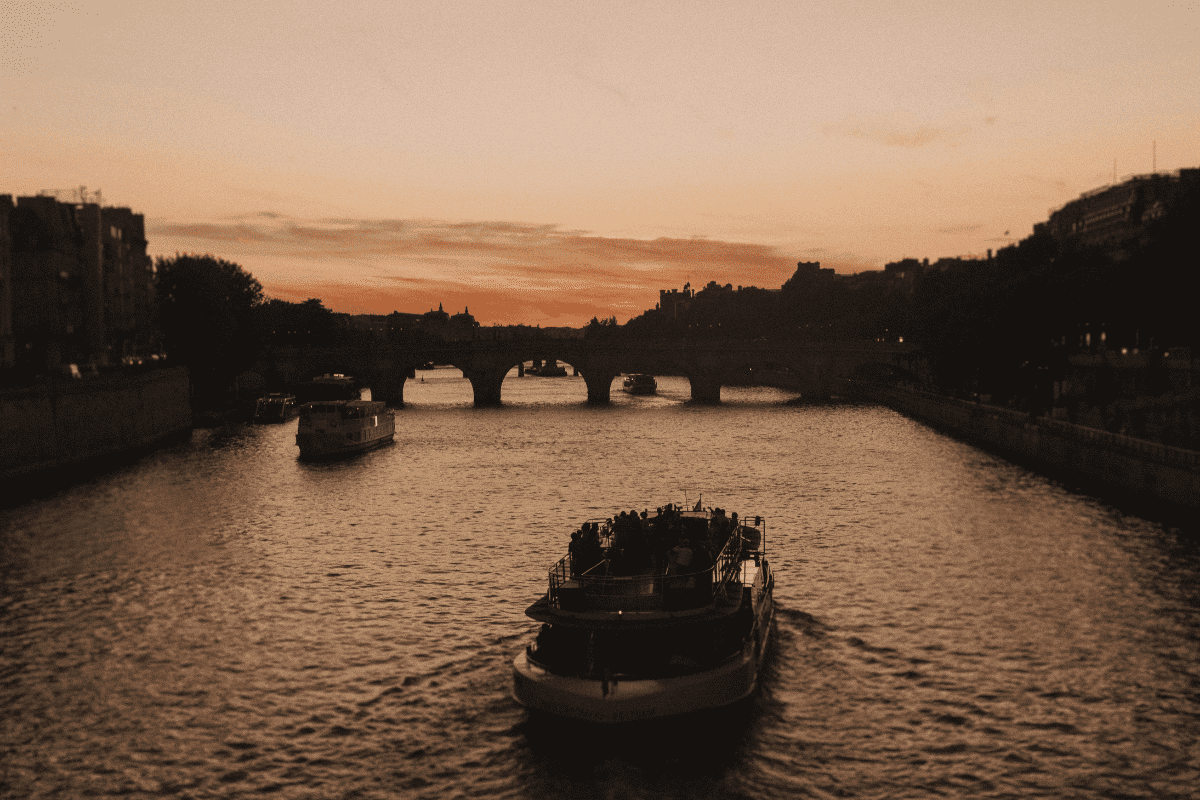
point(1154, 157)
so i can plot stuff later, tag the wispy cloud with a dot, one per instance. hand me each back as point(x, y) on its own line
point(503, 271)
point(894, 131)
point(960, 230)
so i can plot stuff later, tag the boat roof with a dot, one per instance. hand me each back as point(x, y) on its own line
point(347, 403)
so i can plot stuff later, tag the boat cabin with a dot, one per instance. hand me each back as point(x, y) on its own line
point(671, 563)
point(343, 409)
point(275, 407)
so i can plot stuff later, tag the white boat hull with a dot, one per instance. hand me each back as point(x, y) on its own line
point(630, 700)
point(636, 700)
point(315, 446)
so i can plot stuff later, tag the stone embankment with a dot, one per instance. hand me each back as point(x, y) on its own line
point(1147, 471)
point(64, 424)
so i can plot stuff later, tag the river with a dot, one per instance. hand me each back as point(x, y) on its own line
point(220, 619)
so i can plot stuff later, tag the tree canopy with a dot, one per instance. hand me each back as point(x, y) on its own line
point(207, 307)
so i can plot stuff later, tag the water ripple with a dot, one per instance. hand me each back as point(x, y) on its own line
point(222, 620)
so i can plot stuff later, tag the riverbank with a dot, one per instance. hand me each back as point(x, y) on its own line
point(1113, 464)
point(72, 424)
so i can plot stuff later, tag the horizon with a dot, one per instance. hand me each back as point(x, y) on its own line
point(545, 164)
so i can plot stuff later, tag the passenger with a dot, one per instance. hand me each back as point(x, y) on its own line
point(588, 552)
point(582, 555)
point(679, 561)
point(702, 564)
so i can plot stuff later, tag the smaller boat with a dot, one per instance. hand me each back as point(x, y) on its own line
point(275, 407)
point(548, 369)
point(639, 384)
point(332, 428)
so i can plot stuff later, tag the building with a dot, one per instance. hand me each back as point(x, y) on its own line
point(76, 285)
point(463, 319)
point(811, 271)
point(1111, 215)
point(130, 315)
point(8, 351)
point(375, 324)
point(675, 303)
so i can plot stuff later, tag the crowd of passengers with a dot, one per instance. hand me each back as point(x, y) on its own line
point(666, 543)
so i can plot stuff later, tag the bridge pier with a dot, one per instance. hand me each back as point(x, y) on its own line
point(599, 386)
point(705, 389)
point(389, 386)
point(486, 382)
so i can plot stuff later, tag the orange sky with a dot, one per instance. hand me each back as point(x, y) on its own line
point(546, 162)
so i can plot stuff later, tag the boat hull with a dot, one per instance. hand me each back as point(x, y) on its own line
point(316, 446)
point(616, 701)
point(636, 700)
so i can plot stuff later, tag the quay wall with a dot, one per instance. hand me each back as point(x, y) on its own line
point(69, 423)
point(1149, 471)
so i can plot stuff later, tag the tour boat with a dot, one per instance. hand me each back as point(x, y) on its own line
point(639, 384)
point(330, 428)
point(641, 620)
point(275, 407)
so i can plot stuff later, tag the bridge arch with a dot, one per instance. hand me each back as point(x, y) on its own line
point(487, 370)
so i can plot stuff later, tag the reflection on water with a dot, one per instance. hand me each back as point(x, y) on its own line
point(222, 619)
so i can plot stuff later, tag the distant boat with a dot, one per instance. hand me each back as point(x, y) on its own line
point(332, 428)
point(550, 369)
point(275, 407)
point(639, 384)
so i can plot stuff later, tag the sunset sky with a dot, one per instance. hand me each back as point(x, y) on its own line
point(546, 162)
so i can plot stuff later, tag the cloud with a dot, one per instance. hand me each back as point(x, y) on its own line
point(893, 131)
point(505, 272)
point(961, 230)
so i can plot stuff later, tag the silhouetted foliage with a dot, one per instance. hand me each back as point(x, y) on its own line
point(207, 307)
point(281, 322)
point(606, 328)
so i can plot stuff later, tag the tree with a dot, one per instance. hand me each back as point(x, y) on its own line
point(281, 322)
point(207, 308)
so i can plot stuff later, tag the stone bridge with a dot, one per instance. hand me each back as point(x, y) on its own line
point(815, 370)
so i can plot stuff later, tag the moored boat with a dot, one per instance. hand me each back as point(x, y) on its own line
point(547, 369)
point(331, 428)
point(651, 616)
point(275, 407)
point(332, 386)
point(639, 384)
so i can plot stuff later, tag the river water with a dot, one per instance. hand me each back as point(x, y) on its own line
point(220, 619)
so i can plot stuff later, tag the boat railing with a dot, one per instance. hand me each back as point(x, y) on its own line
point(595, 588)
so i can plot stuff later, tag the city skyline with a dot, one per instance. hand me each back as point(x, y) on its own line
point(541, 163)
